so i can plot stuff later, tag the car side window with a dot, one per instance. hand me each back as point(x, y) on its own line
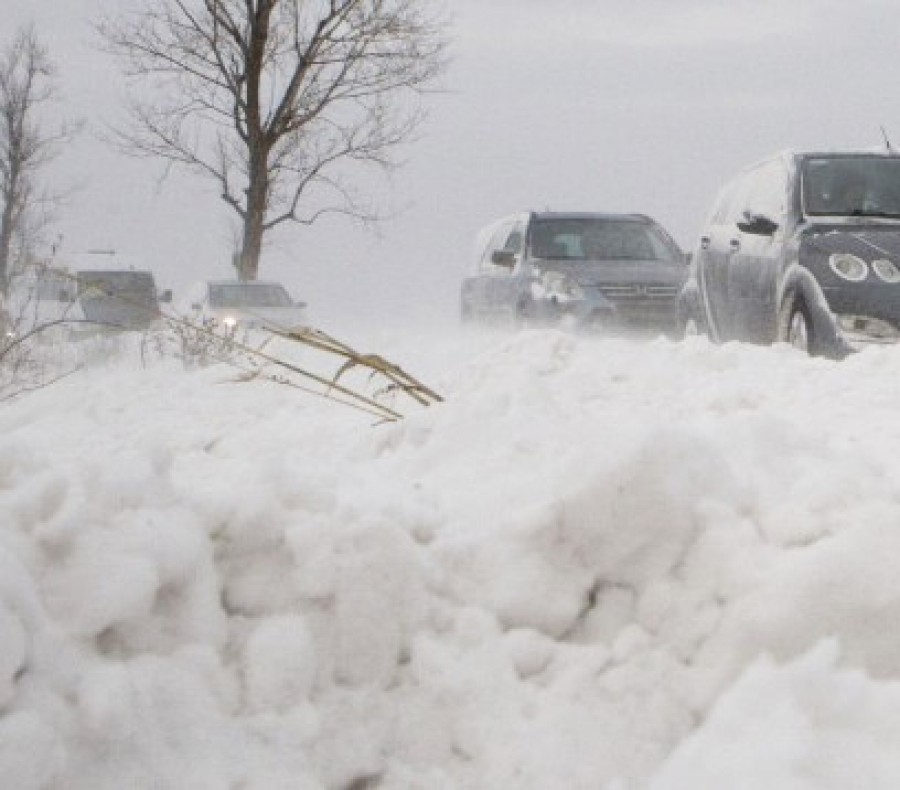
point(498, 237)
point(507, 238)
point(764, 193)
point(722, 206)
point(514, 241)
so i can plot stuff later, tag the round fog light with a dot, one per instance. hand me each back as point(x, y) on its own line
point(848, 267)
point(886, 270)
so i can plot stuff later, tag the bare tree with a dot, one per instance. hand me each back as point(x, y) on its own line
point(27, 145)
point(277, 100)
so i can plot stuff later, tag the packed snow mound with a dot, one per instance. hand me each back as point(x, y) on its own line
point(597, 564)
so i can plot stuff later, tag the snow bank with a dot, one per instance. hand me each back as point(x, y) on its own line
point(597, 564)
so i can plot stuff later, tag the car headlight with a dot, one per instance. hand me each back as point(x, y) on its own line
point(561, 286)
point(848, 267)
point(886, 270)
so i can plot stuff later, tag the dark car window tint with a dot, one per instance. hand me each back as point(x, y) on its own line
point(594, 238)
point(248, 295)
point(119, 298)
point(851, 185)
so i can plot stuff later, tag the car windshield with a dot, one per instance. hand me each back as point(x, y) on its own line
point(125, 299)
point(852, 186)
point(598, 239)
point(248, 295)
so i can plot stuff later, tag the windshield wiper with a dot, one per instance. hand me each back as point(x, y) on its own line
point(872, 213)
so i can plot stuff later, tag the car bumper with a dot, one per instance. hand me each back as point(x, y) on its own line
point(862, 331)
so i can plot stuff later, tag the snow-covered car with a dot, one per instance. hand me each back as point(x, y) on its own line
point(118, 299)
point(237, 305)
point(611, 271)
point(111, 297)
point(803, 247)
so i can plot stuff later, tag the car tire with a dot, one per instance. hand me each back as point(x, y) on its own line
point(690, 325)
point(525, 314)
point(797, 327)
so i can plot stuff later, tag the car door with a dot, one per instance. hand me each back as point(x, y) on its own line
point(478, 289)
point(756, 245)
point(711, 261)
point(507, 281)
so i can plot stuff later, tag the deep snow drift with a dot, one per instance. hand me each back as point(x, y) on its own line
point(598, 564)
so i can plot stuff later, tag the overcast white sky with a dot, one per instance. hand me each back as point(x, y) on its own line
point(647, 105)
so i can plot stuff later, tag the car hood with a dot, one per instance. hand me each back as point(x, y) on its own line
point(594, 273)
point(865, 242)
point(289, 317)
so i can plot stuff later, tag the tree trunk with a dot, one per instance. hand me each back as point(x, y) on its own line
point(251, 247)
point(254, 219)
point(6, 231)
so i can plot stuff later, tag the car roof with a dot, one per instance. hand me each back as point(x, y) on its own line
point(796, 154)
point(879, 151)
point(541, 215)
point(104, 261)
point(244, 282)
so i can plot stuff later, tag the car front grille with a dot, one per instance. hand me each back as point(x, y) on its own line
point(640, 305)
point(633, 291)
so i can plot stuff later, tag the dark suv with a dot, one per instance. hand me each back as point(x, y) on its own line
point(613, 271)
point(803, 247)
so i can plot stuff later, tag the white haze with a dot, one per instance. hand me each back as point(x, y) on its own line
point(608, 106)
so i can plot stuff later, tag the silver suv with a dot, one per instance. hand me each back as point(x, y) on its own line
point(236, 306)
point(612, 271)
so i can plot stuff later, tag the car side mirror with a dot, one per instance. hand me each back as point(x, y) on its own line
point(503, 258)
point(299, 303)
point(195, 306)
point(757, 224)
point(166, 296)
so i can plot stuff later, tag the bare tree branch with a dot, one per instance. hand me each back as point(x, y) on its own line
point(26, 145)
point(277, 101)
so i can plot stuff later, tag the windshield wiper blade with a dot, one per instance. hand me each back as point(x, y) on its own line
point(882, 214)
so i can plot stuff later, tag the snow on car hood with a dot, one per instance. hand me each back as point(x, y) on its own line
point(592, 273)
point(865, 242)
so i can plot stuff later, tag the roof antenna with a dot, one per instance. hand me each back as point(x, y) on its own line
point(887, 143)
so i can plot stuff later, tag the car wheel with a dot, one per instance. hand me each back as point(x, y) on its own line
point(689, 326)
point(799, 329)
point(525, 314)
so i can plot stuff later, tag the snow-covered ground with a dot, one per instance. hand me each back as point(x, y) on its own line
point(598, 564)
